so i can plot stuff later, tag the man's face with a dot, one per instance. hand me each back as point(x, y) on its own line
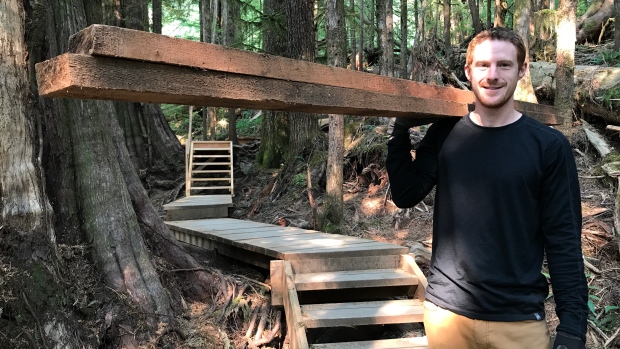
point(494, 72)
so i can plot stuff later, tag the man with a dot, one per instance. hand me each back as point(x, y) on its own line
point(506, 193)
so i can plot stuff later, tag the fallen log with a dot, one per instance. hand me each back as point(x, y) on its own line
point(593, 21)
point(597, 140)
point(597, 88)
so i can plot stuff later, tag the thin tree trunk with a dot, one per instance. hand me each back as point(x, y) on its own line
point(446, 30)
point(617, 26)
point(336, 56)
point(205, 20)
point(403, 39)
point(212, 116)
point(361, 43)
point(353, 38)
point(420, 35)
point(565, 59)
point(385, 26)
point(157, 16)
point(374, 23)
point(489, 13)
point(215, 21)
point(522, 18)
point(475, 16)
point(501, 8)
point(437, 17)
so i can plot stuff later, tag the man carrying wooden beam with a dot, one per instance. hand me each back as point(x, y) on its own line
point(507, 193)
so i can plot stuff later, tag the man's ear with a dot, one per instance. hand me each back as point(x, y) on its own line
point(523, 69)
point(467, 72)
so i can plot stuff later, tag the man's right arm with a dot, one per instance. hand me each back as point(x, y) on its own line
point(410, 181)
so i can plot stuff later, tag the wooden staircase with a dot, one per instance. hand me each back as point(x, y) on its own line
point(210, 168)
point(390, 292)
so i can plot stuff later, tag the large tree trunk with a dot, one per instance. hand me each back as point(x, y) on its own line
point(300, 34)
point(522, 17)
point(590, 24)
point(151, 143)
point(336, 56)
point(95, 191)
point(30, 266)
point(274, 125)
point(302, 127)
point(565, 58)
point(593, 91)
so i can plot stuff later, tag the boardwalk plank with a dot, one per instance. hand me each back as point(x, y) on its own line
point(399, 343)
point(354, 279)
point(362, 313)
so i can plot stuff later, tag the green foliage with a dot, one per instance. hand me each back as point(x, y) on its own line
point(248, 127)
point(181, 18)
point(611, 97)
point(300, 180)
point(605, 318)
point(609, 58)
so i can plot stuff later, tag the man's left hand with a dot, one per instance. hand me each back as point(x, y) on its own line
point(567, 341)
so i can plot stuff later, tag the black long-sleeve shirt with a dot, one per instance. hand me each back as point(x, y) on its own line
point(504, 197)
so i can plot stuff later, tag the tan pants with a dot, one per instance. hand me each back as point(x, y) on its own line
point(447, 330)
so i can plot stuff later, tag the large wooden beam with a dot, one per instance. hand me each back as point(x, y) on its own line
point(101, 40)
point(89, 77)
point(131, 65)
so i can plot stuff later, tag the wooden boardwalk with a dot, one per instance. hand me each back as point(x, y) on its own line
point(322, 280)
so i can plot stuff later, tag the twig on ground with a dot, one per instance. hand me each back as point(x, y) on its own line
point(592, 268)
point(598, 330)
point(36, 319)
point(611, 339)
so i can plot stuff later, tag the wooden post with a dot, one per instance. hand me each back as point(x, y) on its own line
point(188, 154)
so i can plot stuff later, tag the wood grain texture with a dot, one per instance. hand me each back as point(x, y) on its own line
point(408, 264)
point(296, 329)
point(88, 77)
point(362, 313)
point(284, 242)
point(316, 265)
point(276, 277)
point(399, 343)
point(149, 47)
point(354, 279)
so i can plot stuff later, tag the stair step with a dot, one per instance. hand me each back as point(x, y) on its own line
point(362, 313)
point(227, 179)
point(211, 171)
point(400, 343)
point(209, 188)
point(354, 279)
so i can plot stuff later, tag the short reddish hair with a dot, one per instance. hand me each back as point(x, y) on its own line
point(497, 33)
